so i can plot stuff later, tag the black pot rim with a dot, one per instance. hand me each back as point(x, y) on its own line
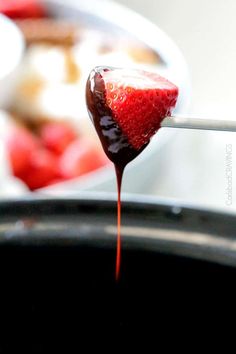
point(147, 223)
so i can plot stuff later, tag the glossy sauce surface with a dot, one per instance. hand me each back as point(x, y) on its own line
point(114, 142)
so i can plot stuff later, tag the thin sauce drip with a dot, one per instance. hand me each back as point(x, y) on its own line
point(114, 142)
point(119, 175)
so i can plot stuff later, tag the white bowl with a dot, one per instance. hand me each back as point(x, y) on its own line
point(142, 172)
point(11, 49)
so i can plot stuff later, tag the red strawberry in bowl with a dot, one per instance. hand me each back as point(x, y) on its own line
point(127, 107)
point(56, 136)
point(20, 143)
point(81, 157)
point(42, 169)
point(22, 8)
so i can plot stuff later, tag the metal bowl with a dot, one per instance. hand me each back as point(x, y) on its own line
point(110, 16)
point(57, 260)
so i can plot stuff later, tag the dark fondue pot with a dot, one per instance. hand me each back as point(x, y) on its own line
point(57, 264)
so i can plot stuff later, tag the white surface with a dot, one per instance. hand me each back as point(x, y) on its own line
point(11, 49)
point(195, 165)
point(10, 44)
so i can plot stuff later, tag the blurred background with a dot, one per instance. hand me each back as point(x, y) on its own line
point(48, 145)
point(205, 31)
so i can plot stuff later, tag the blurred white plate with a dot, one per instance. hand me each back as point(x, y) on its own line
point(11, 49)
point(104, 14)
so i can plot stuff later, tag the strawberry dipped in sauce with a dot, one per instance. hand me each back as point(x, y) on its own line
point(127, 107)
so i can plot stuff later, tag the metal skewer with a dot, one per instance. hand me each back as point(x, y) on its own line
point(199, 123)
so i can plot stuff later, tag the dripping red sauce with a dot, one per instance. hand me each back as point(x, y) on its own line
point(114, 142)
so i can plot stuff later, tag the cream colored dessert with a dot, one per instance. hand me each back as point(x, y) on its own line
point(54, 74)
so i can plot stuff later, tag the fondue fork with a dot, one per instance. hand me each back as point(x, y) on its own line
point(199, 123)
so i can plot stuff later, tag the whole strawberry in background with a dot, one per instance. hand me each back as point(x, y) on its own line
point(30, 160)
point(81, 157)
point(52, 154)
point(16, 9)
point(20, 144)
point(56, 136)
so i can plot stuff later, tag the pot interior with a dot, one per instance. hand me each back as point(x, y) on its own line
point(58, 289)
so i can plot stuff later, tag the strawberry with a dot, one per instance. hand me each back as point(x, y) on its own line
point(57, 136)
point(81, 157)
point(22, 8)
point(20, 143)
point(42, 169)
point(136, 100)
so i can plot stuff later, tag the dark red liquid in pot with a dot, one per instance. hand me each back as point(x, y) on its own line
point(114, 142)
